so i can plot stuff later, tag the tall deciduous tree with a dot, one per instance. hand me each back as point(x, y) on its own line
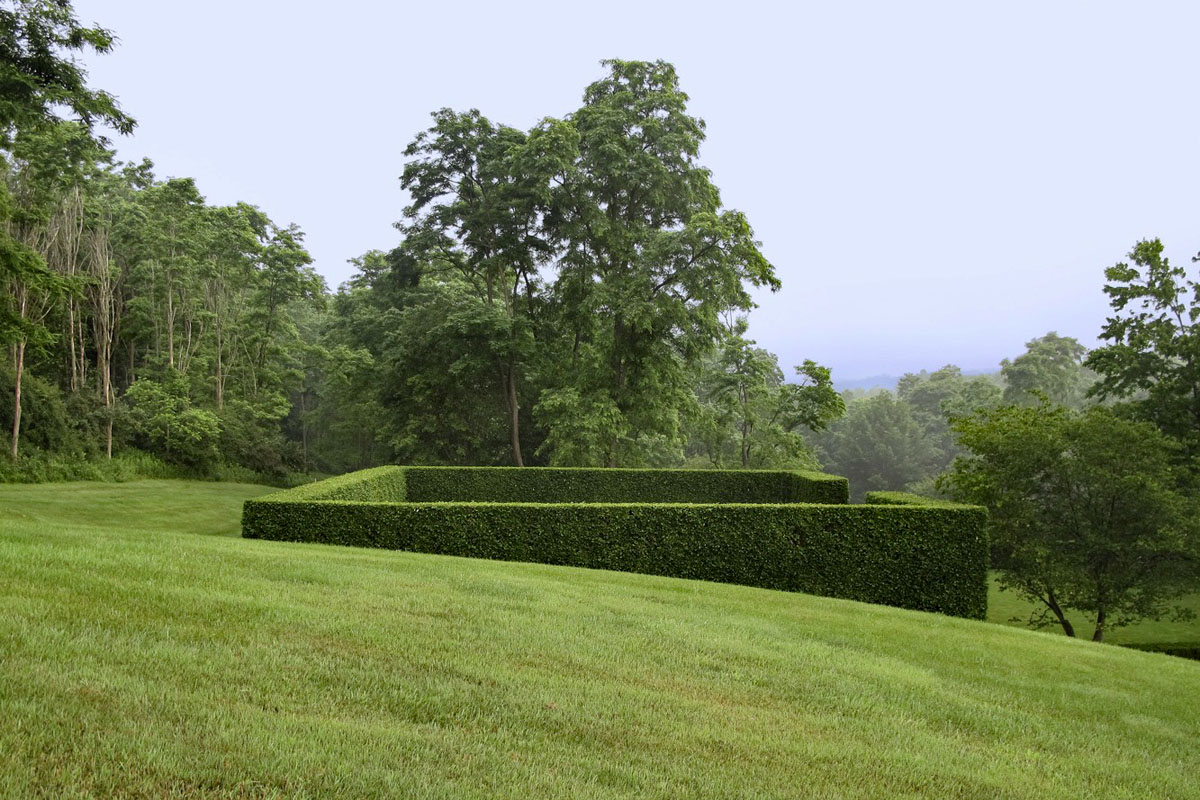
point(45, 230)
point(879, 445)
point(478, 192)
point(649, 262)
point(936, 397)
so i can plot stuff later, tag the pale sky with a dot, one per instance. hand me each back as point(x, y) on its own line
point(934, 182)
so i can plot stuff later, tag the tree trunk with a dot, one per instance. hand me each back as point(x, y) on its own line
point(19, 363)
point(514, 415)
point(106, 391)
point(71, 339)
point(1098, 635)
point(220, 373)
point(170, 322)
point(304, 430)
point(1052, 602)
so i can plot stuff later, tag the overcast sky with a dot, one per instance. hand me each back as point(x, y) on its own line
point(934, 182)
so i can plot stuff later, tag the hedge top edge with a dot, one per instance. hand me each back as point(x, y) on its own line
point(574, 485)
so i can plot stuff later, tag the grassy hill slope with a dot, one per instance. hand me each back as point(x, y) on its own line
point(140, 659)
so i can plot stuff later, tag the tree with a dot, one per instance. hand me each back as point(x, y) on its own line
point(478, 193)
point(878, 445)
point(39, 78)
point(439, 359)
point(41, 240)
point(39, 81)
point(1052, 366)
point(749, 416)
point(936, 397)
point(1152, 359)
point(1084, 510)
point(649, 262)
point(168, 422)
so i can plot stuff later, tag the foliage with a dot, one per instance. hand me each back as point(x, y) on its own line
point(885, 498)
point(444, 346)
point(40, 151)
point(163, 417)
point(478, 194)
point(569, 280)
point(1152, 359)
point(46, 420)
point(878, 445)
point(749, 417)
point(39, 466)
point(1051, 367)
point(937, 397)
point(931, 558)
point(649, 262)
point(39, 75)
point(1084, 511)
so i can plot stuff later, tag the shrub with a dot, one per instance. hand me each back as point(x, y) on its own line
point(128, 465)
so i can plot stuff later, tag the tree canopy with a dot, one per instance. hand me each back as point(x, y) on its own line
point(1151, 361)
point(1084, 508)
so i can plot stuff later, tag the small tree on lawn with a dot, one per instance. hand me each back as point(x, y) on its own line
point(1085, 513)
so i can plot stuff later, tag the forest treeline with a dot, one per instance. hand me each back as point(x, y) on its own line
point(572, 294)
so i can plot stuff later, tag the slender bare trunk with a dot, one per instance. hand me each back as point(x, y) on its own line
point(19, 363)
point(170, 325)
point(220, 371)
point(745, 445)
point(514, 415)
point(104, 293)
point(71, 344)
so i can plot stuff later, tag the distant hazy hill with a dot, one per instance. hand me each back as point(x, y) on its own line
point(873, 382)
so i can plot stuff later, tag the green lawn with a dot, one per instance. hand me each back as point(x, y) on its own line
point(140, 659)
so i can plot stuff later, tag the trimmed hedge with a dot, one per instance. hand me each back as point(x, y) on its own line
point(931, 558)
point(583, 485)
point(904, 499)
point(380, 484)
point(1178, 649)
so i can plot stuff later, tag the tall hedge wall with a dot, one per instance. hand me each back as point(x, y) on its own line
point(558, 485)
point(931, 558)
point(903, 499)
point(380, 484)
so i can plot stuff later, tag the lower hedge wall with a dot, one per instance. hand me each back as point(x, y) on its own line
point(930, 558)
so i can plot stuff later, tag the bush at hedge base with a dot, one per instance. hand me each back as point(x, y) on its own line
point(925, 557)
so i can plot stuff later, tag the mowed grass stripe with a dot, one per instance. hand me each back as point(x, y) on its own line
point(148, 662)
